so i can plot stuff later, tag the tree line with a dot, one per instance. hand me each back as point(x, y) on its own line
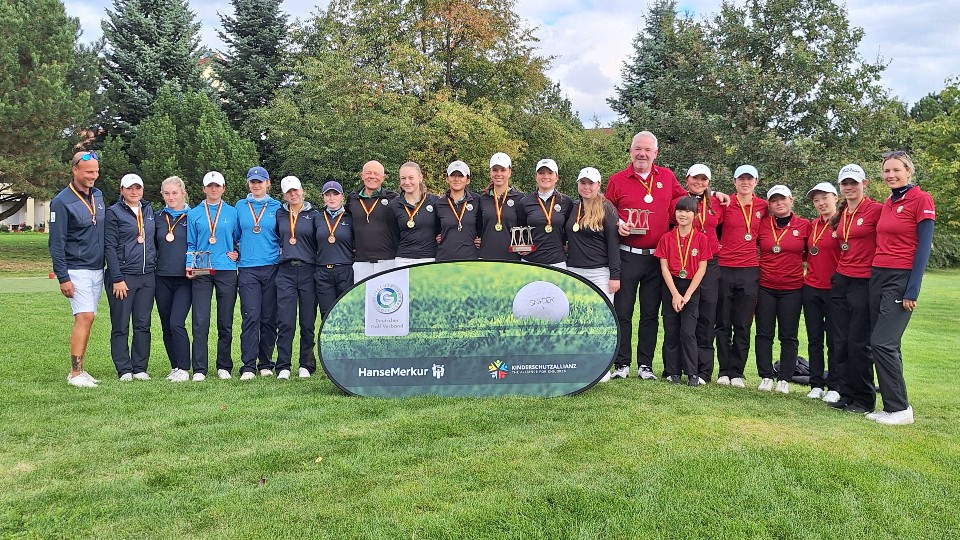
point(775, 83)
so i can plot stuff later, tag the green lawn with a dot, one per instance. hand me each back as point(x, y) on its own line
point(628, 459)
point(24, 254)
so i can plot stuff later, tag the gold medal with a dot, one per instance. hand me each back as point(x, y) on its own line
point(140, 239)
point(548, 228)
point(498, 227)
point(576, 227)
point(169, 237)
point(411, 224)
point(293, 241)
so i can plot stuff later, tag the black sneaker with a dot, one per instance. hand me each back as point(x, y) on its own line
point(674, 379)
point(693, 380)
point(840, 404)
point(857, 409)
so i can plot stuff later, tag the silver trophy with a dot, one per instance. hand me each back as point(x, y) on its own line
point(638, 221)
point(199, 264)
point(521, 240)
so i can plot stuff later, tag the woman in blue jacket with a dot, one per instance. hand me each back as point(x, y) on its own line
point(131, 259)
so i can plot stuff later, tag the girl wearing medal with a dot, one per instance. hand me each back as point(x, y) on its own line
point(739, 276)
point(257, 275)
point(415, 213)
point(499, 205)
point(297, 221)
point(683, 254)
point(823, 250)
point(904, 241)
point(212, 234)
point(335, 248)
point(173, 293)
point(593, 245)
point(783, 243)
point(457, 216)
point(131, 255)
point(855, 225)
point(546, 210)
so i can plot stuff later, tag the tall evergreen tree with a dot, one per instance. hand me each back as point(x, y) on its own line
point(38, 103)
point(150, 43)
point(251, 69)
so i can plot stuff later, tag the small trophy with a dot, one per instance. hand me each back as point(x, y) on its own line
point(521, 240)
point(638, 221)
point(199, 264)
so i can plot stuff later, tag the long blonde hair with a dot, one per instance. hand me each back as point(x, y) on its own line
point(178, 182)
point(593, 212)
point(415, 166)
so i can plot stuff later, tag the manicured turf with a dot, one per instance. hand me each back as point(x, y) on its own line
point(24, 255)
point(628, 459)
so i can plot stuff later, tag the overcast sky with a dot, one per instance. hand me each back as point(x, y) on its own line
point(919, 40)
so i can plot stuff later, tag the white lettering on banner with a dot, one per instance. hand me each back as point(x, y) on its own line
point(393, 372)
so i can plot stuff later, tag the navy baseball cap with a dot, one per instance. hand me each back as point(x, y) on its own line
point(333, 185)
point(257, 173)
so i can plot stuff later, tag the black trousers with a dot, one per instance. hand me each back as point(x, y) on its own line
point(296, 290)
point(778, 311)
point(137, 307)
point(679, 348)
point(709, 293)
point(257, 286)
point(331, 283)
point(225, 284)
point(638, 272)
point(886, 305)
point(820, 325)
point(739, 288)
point(854, 366)
point(174, 294)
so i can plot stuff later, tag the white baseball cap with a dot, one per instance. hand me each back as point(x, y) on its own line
point(290, 182)
point(746, 169)
point(590, 173)
point(213, 177)
point(699, 168)
point(458, 166)
point(501, 159)
point(548, 163)
point(852, 171)
point(779, 189)
point(130, 180)
point(825, 187)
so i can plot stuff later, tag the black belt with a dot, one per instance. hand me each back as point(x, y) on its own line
point(294, 262)
point(335, 265)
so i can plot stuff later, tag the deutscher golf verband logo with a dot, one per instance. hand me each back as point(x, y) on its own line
point(388, 299)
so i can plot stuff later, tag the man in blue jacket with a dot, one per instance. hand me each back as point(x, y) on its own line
point(76, 248)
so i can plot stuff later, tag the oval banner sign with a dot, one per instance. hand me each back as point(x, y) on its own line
point(470, 328)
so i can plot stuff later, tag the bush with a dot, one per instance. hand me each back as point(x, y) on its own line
point(4, 227)
point(946, 249)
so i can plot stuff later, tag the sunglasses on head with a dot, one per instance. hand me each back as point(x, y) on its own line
point(86, 156)
point(894, 154)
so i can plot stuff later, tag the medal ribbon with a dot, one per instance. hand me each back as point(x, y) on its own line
point(702, 214)
point(816, 237)
point(648, 185)
point(847, 223)
point(294, 216)
point(256, 217)
point(213, 224)
point(548, 215)
point(747, 216)
point(139, 216)
point(580, 213)
point(170, 227)
point(326, 217)
point(407, 210)
point(684, 257)
point(93, 211)
point(498, 204)
point(366, 210)
point(463, 210)
point(776, 239)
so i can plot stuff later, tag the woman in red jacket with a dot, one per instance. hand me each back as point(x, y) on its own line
point(783, 244)
point(904, 240)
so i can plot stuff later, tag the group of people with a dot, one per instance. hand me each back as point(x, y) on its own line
point(705, 262)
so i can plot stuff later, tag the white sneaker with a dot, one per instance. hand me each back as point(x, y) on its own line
point(621, 372)
point(815, 393)
point(266, 372)
point(783, 387)
point(89, 377)
point(303, 373)
point(247, 375)
point(875, 415)
point(606, 377)
point(198, 377)
point(126, 377)
point(701, 381)
point(766, 385)
point(899, 418)
point(284, 374)
point(172, 373)
point(142, 376)
point(647, 374)
point(80, 381)
point(223, 374)
point(723, 380)
point(180, 376)
point(738, 382)
point(831, 397)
